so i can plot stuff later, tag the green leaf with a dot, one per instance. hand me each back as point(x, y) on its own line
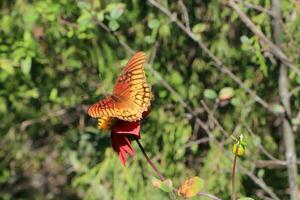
point(199, 28)
point(100, 16)
point(53, 94)
point(296, 121)
point(153, 23)
point(116, 12)
point(226, 93)
point(277, 108)
point(191, 187)
point(235, 102)
point(34, 93)
point(164, 31)
point(166, 185)
point(210, 94)
point(30, 16)
point(113, 25)
point(26, 65)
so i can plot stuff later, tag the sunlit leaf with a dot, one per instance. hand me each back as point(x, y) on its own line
point(226, 93)
point(116, 12)
point(198, 28)
point(153, 23)
point(26, 65)
point(296, 121)
point(210, 94)
point(113, 25)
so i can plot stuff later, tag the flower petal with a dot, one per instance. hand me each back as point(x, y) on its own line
point(124, 127)
point(122, 145)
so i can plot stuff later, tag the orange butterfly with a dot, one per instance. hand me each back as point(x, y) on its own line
point(131, 95)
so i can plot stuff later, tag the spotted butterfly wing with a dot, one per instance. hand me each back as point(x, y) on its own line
point(131, 95)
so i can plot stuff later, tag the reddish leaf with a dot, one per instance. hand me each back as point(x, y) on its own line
point(191, 187)
point(226, 93)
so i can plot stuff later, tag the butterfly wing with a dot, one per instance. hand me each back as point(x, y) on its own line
point(131, 95)
point(103, 108)
point(132, 89)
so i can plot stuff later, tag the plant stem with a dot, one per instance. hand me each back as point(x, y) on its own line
point(150, 162)
point(233, 193)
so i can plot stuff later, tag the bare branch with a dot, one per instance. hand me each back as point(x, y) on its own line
point(44, 118)
point(256, 7)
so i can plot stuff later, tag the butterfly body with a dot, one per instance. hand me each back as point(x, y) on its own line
point(131, 94)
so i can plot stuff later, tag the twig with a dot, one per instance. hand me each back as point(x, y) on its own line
point(44, 118)
point(256, 7)
point(195, 142)
point(211, 115)
point(185, 14)
point(270, 164)
point(272, 47)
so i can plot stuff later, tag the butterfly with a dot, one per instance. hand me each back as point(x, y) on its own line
point(131, 95)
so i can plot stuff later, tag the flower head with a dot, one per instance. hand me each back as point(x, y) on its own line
point(122, 133)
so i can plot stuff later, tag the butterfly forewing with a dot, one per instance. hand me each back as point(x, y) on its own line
point(131, 95)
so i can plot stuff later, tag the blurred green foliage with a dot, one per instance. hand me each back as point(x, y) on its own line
point(56, 58)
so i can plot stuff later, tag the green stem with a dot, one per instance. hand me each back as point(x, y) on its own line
point(233, 193)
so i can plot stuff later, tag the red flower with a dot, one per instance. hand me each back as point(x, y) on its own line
point(122, 133)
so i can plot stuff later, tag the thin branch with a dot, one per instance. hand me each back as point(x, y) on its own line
point(211, 115)
point(271, 164)
point(185, 14)
point(256, 7)
point(196, 142)
point(272, 47)
point(44, 118)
